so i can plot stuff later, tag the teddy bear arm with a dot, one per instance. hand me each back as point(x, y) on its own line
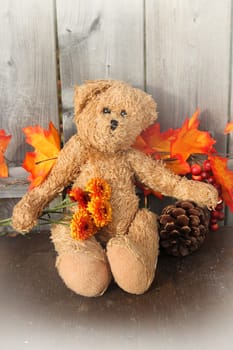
point(156, 176)
point(65, 170)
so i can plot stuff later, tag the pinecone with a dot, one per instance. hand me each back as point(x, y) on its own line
point(183, 228)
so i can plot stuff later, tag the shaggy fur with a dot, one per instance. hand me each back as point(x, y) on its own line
point(127, 248)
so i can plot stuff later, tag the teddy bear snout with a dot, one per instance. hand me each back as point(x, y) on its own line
point(114, 124)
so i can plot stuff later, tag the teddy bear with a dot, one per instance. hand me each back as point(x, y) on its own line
point(109, 115)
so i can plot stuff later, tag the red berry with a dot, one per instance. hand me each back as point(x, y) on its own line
point(205, 175)
point(196, 177)
point(218, 188)
point(214, 227)
point(196, 169)
point(211, 180)
point(221, 215)
point(215, 214)
point(219, 207)
point(213, 221)
point(207, 165)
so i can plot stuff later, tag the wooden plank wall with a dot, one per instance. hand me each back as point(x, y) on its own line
point(28, 77)
point(98, 40)
point(179, 51)
point(188, 62)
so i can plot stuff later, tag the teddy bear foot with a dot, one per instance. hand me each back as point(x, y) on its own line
point(133, 257)
point(128, 268)
point(84, 274)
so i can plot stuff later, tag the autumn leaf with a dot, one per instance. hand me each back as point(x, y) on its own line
point(178, 165)
point(147, 191)
point(4, 141)
point(190, 140)
point(224, 177)
point(176, 145)
point(142, 146)
point(47, 146)
point(194, 122)
point(228, 128)
point(152, 141)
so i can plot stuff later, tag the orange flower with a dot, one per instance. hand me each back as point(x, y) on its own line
point(82, 225)
point(99, 188)
point(100, 211)
point(94, 208)
point(80, 196)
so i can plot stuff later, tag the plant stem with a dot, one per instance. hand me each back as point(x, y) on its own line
point(5, 222)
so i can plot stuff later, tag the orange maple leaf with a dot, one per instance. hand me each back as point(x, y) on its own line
point(228, 128)
point(224, 177)
point(4, 141)
point(178, 165)
point(176, 144)
point(194, 122)
point(47, 146)
point(152, 141)
point(190, 140)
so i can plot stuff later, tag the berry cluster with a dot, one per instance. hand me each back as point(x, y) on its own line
point(204, 173)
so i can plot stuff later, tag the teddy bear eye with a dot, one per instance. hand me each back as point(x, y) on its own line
point(123, 113)
point(106, 110)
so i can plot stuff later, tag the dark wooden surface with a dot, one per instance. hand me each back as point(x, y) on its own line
point(189, 306)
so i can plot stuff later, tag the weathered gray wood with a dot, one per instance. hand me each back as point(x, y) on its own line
point(188, 46)
point(6, 206)
point(229, 220)
point(28, 86)
point(28, 83)
point(98, 40)
point(188, 62)
point(14, 186)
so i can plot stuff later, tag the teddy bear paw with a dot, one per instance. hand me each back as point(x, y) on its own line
point(23, 219)
point(83, 273)
point(128, 266)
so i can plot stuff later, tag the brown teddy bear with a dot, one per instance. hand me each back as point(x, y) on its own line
point(109, 116)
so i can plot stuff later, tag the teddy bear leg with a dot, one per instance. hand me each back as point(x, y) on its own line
point(82, 265)
point(133, 257)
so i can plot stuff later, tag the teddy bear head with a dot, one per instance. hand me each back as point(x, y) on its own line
point(110, 114)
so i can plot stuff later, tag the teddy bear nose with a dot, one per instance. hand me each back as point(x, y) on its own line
point(114, 124)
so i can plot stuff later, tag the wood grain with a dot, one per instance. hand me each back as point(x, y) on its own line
point(189, 62)
point(28, 87)
point(187, 55)
point(229, 215)
point(104, 41)
point(179, 51)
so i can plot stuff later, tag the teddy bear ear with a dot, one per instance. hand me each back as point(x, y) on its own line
point(84, 93)
point(150, 110)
